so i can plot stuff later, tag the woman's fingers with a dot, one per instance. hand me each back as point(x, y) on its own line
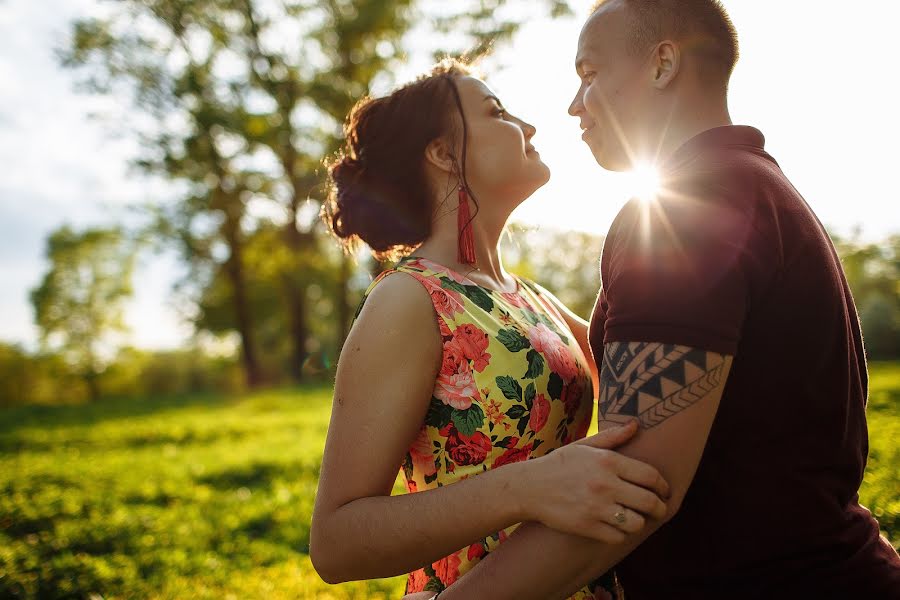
point(642, 474)
point(612, 437)
point(641, 500)
point(625, 519)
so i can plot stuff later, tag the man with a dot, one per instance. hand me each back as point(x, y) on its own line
point(726, 327)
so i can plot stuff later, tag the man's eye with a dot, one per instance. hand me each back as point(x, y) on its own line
point(588, 76)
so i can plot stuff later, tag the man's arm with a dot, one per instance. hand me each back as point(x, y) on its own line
point(674, 392)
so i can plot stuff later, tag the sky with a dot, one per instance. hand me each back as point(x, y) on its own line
point(816, 76)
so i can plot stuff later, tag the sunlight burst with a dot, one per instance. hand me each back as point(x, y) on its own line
point(643, 182)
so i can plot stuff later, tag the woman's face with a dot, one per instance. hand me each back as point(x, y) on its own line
point(501, 162)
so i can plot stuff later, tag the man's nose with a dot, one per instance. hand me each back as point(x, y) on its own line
point(577, 106)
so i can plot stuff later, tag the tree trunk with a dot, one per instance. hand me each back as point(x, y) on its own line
point(299, 331)
point(234, 267)
point(295, 293)
point(93, 385)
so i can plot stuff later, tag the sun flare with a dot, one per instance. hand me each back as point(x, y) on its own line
point(643, 182)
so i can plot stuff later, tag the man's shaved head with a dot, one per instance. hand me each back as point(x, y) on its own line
point(702, 28)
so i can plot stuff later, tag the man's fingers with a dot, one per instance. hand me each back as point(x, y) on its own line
point(612, 437)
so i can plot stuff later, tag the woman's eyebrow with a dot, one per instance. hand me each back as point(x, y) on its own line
point(495, 99)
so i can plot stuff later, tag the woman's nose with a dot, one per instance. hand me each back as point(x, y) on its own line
point(528, 129)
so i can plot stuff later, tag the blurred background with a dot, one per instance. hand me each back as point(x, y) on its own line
point(173, 307)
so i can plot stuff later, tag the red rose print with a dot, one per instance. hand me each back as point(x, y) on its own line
point(471, 342)
point(452, 363)
point(458, 390)
point(445, 272)
point(540, 410)
point(516, 300)
point(468, 450)
point(571, 397)
point(445, 330)
point(446, 302)
point(476, 551)
point(548, 343)
point(421, 455)
point(416, 582)
point(447, 569)
point(514, 455)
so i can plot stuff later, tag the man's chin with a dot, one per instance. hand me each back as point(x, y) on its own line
point(609, 163)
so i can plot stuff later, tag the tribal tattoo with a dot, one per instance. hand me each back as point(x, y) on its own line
point(652, 382)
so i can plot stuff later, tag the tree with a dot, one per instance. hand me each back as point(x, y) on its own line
point(246, 98)
point(80, 300)
point(565, 262)
point(873, 272)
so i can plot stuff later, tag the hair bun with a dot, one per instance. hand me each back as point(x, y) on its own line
point(379, 192)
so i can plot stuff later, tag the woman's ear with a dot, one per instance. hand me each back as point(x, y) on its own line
point(440, 154)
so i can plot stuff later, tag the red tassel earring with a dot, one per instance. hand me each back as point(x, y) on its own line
point(466, 240)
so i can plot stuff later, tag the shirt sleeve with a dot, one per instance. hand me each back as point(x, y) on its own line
point(676, 271)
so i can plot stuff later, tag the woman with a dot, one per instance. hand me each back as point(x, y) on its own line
point(454, 367)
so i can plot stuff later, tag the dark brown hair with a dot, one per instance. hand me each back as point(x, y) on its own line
point(378, 192)
point(703, 26)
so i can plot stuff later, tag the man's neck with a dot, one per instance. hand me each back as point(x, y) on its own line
point(689, 120)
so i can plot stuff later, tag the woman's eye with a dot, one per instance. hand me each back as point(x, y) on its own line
point(500, 112)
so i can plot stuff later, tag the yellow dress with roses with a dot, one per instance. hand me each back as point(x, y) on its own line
point(513, 385)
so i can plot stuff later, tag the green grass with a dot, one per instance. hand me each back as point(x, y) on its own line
point(205, 497)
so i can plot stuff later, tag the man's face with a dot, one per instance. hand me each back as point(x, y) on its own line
point(613, 98)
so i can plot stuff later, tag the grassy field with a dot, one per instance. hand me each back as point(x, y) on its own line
point(205, 497)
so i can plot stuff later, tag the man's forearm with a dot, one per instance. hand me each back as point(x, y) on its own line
point(540, 563)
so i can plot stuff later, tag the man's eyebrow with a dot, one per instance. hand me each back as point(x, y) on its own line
point(579, 65)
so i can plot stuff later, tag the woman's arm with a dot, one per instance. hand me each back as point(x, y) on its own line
point(384, 384)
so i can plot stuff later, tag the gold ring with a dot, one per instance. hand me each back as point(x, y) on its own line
point(619, 517)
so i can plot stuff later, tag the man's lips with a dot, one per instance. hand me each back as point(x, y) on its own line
point(586, 131)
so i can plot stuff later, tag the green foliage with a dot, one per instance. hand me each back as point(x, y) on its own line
point(80, 300)
point(245, 100)
point(565, 262)
point(197, 497)
point(38, 379)
point(211, 497)
point(46, 379)
point(882, 479)
point(873, 271)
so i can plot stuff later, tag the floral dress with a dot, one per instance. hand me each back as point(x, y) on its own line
point(513, 385)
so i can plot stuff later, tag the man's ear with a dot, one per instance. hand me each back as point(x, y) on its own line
point(441, 154)
point(665, 64)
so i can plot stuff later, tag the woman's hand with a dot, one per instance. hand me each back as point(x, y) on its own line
point(588, 490)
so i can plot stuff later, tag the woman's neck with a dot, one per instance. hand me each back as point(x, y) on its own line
point(442, 247)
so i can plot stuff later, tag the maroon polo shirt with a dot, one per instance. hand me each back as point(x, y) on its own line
point(731, 259)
